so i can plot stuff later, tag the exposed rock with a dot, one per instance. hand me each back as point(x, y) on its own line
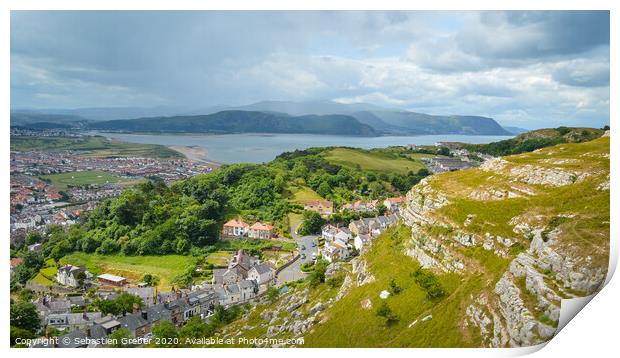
point(359, 267)
point(427, 318)
point(366, 304)
point(384, 294)
point(317, 308)
point(531, 174)
point(345, 288)
point(333, 269)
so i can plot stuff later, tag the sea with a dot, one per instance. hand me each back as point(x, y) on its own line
point(260, 148)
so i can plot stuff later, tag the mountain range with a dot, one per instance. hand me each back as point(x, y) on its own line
point(316, 117)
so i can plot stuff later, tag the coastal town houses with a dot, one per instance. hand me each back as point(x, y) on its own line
point(71, 321)
point(259, 230)
point(361, 206)
point(235, 228)
point(330, 233)
point(323, 207)
point(147, 294)
point(393, 204)
point(362, 241)
point(263, 274)
point(68, 275)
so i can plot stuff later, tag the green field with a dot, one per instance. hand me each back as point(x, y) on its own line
point(301, 193)
point(367, 160)
point(63, 180)
point(97, 146)
point(166, 267)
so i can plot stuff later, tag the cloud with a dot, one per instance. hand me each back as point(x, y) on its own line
point(550, 67)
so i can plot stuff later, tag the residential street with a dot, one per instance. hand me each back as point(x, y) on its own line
point(304, 245)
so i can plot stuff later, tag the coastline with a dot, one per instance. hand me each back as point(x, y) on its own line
point(195, 153)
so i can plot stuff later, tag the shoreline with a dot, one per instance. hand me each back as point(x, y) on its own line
point(195, 153)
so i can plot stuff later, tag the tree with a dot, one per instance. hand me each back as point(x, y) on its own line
point(166, 332)
point(195, 328)
point(394, 288)
point(386, 312)
point(81, 276)
point(20, 333)
point(313, 222)
point(119, 338)
point(24, 315)
point(272, 294)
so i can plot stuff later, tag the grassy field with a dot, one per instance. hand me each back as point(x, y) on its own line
point(367, 160)
point(63, 180)
point(249, 244)
point(165, 267)
point(97, 146)
point(219, 258)
point(301, 193)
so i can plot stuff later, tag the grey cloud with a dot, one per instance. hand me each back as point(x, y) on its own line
point(505, 64)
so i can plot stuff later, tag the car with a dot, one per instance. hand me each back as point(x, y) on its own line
point(314, 255)
point(303, 256)
point(313, 244)
point(303, 247)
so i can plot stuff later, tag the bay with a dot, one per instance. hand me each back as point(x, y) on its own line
point(259, 148)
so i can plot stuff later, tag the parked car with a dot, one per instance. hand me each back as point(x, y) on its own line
point(303, 247)
point(303, 256)
point(314, 255)
point(313, 244)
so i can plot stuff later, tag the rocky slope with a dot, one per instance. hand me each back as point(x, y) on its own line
point(547, 212)
point(505, 243)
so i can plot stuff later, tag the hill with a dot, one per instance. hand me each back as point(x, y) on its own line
point(243, 122)
point(536, 139)
point(483, 258)
point(404, 122)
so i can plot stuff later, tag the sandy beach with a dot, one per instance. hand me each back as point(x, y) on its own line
point(195, 153)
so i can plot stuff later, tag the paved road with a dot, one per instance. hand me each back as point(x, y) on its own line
point(293, 272)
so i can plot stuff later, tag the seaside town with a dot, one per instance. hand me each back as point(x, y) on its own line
point(36, 202)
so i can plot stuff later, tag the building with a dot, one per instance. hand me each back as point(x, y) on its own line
point(260, 231)
point(68, 275)
point(71, 321)
point(440, 165)
point(323, 207)
point(262, 274)
point(235, 228)
point(362, 241)
point(393, 204)
point(335, 251)
point(147, 294)
point(111, 280)
point(362, 206)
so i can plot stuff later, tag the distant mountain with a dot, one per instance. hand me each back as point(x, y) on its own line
point(515, 130)
point(47, 121)
point(381, 120)
point(404, 122)
point(242, 122)
point(107, 113)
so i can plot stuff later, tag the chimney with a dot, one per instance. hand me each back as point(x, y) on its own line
point(88, 332)
point(145, 315)
point(84, 315)
point(136, 308)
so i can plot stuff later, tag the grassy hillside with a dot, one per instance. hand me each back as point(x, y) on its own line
point(369, 160)
point(541, 138)
point(99, 147)
point(485, 258)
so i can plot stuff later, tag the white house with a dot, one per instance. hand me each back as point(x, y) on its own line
point(362, 241)
point(67, 275)
point(262, 274)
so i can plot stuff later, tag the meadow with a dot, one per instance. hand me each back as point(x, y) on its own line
point(165, 267)
point(368, 160)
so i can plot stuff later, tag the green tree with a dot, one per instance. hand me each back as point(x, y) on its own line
point(312, 224)
point(195, 328)
point(119, 338)
point(165, 331)
point(24, 315)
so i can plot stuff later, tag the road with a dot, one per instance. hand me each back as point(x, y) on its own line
point(293, 272)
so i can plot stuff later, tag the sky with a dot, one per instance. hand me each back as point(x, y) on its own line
point(528, 69)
